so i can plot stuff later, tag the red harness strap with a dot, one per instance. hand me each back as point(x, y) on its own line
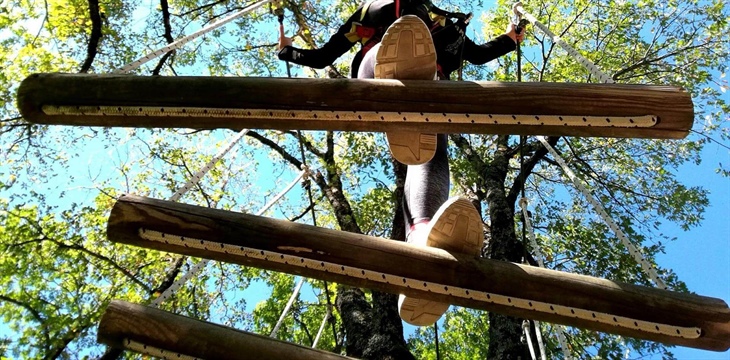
point(364, 32)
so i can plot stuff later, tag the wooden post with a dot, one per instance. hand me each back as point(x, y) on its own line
point(433, 274)
point(606, 110)
point(124, 323)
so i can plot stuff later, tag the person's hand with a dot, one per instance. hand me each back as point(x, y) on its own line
point(284, 41)
point(512, 33)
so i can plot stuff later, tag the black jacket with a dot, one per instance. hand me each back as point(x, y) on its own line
point(451, 45)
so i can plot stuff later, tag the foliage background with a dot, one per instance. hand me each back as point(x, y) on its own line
point(57, 184)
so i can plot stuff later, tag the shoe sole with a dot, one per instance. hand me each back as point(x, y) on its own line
point(456, 227)
point(406, 52)
point(412, 148)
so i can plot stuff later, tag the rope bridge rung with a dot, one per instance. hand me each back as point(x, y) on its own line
point(554, 109)
point(166, 335)
point(364, 261)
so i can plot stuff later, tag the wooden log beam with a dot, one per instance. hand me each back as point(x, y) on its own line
point(125, 325)
point(433, 274)
point(605, 110)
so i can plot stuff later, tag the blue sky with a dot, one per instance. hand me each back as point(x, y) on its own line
point(700, 257)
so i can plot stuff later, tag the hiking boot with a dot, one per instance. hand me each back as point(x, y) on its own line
point(407, 53)
point(456, 228)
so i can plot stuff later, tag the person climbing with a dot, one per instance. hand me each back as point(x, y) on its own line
point(415, 40)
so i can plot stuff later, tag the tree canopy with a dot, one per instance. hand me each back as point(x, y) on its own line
point(57, 184)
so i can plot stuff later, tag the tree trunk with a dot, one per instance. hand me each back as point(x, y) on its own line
point(505, 332)
point(373, 331)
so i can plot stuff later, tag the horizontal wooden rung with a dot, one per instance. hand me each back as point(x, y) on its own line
point(432, 274)
point(161, 334)
point(607, 110)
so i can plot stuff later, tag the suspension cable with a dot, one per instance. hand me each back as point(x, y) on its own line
point(321, 328)
point(179, 43)
point(436, 338)
point(539, 257)
point(289, 303)
point(592, 68)
point(528, 338)
point(635, 253)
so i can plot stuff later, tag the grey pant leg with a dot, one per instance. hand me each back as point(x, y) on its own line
point(427, 185)
point(367, 66)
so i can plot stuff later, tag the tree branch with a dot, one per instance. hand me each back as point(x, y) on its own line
point(529, 165)
point(274, 146)
point(646, 61)
point(95, 37)
point(167, 35)
point(170, 277)
point(36, 315)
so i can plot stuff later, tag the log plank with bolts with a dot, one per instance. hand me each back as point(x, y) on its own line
point(554, 109)
point(432, 274)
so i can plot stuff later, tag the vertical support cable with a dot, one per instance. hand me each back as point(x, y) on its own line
point(528, 338)
point(635, 253)
point(321, 328)
point(179, 43)
point(293, 297)
point(592, 68)
point(541, 263)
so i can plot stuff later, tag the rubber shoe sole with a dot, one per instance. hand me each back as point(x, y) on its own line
point(406, 52)
point(411, 148)
point(457, 228)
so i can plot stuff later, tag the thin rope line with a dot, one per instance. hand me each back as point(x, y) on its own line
point(541, 263)
point(199, 175)
point(592, 68)
point(635, 253)
point(179, 43)
point(287, 307)
point(321, 329)
point(528, 338)
point(540, 343)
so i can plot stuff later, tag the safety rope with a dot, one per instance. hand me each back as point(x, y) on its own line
point(170, 291)
point(307, 184)
point(321, 328)
point(539, 257)
point(289, 303)
point(528, 338)
point(179, 43)
point(192, 182)
point(592, 68)
point(520, 25)
point(635, 253)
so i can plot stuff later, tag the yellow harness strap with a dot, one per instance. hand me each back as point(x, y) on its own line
point(354, 35)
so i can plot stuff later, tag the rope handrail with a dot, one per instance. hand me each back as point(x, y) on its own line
point(635, 253)
point(592, 68)
point(539, 257)
point(179, 43)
